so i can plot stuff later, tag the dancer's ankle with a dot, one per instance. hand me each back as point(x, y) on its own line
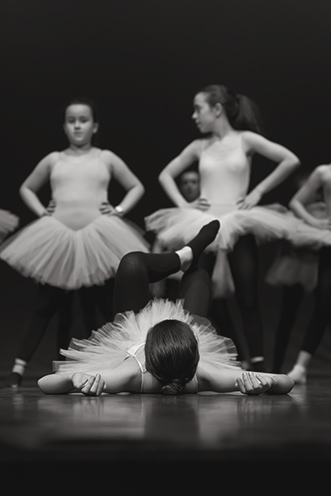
point(186, 256)
point(199, 243)
point(298, 374)
point(19, 366)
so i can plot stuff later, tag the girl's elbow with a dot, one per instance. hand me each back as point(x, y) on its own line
point(293, 203)
point(41, 384)
point(22, 190)
point(161, 178)
point(290, 204)
point(296, 162)
point(287, 384)
point(290, 384)
point(141, 189)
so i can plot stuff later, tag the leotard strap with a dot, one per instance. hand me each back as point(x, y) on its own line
point(132, 352)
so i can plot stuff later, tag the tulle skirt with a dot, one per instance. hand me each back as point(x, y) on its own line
point(305, 236)
point(108, 347)
point(174, 227)
point(294, 266)
point(8, 222)
point(50, 252)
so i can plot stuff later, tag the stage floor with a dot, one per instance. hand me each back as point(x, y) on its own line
point(131, 436)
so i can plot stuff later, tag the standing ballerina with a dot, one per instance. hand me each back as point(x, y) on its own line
point(314, 233)
point(159, 346)
point(77, 246)
point(225, 155)
point(295, 271)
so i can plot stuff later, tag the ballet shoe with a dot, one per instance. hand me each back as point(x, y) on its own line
point(13, 381)
point(298, 374)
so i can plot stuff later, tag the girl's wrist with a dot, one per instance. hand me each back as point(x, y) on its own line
point(119, 210)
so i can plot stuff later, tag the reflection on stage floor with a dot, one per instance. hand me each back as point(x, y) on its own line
point(205, 430)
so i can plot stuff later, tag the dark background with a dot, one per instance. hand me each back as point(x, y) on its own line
point(142, 62)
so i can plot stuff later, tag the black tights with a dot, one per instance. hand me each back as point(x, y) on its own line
point(321, 317)
point(137, 270)
point(243, 261)
point(49, 300)
point(292, 297)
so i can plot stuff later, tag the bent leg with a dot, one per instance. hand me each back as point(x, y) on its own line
point(135, 272)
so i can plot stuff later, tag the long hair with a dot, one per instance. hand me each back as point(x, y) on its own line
point(172, 354)
point(241, 111)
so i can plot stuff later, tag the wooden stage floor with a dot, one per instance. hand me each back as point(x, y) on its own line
point(129, 437)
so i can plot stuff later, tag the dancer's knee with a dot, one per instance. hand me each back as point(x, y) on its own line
point(131, 263)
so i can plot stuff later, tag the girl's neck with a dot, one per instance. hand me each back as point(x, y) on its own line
point(79, 150)
point(222, 128)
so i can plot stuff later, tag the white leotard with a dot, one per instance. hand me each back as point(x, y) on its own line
point(79, 185)
point(224, 170)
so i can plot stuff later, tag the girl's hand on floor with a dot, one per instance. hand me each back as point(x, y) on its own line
point(251, 383)
point(90, 385)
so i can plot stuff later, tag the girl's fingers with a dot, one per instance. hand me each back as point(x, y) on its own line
point(241, 386)
point(98, 385)
point(256, 383)
point(262, 380)
point(95, 385)
point(101, 387)
point(247, 381)
point(86, 389)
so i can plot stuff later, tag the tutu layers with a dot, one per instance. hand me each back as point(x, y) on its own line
point(108, 347)
point(174, 227)
point(8, 222)
point(50, 252)
point(294, 267)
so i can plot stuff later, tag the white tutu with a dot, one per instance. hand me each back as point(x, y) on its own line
point(306, 236)
point(175, 226)
point(50, 252)
point(8, 222)
point(108, 347)
point(292, 267)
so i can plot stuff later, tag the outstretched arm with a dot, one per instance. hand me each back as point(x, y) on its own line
point(124, 378)
point(59, 383)
point(225, 380)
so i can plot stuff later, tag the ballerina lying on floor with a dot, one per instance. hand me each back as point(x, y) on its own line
point(159, 346)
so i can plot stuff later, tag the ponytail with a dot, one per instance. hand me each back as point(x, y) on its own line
point(241, 111)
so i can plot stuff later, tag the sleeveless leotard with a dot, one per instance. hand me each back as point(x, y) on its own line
point(77, 245)
point(79, 186)
point(224, 171)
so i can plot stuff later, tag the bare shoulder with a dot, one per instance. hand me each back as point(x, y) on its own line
point(319, 175)
point(250, 136)
point(111, 159)
point(50, 159)
point(106, 156)
point(251, 139)
point(322, 170)
point(53, 156)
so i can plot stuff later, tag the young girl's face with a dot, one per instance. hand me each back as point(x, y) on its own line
point(204, 115)
point(79, 125)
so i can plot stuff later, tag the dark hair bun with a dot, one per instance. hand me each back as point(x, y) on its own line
point(174, 387)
